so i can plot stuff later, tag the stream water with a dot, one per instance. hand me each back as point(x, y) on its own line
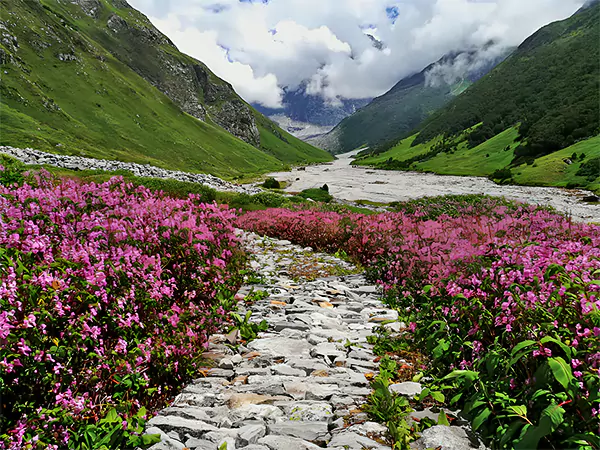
point(360, 183)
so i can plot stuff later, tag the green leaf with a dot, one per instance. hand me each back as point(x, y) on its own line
point(443, 419)
point(517, 348)
point(519, 410)
point(150, 439)
point(561, 371)
point(223, 446)
point(468, 375)
point(565, 348)
point(456, 398)
point(481, 418)
point(551, 419)
point(510, 432)
point(440, 349)
point(418, 377)
point(438, 396)
point(111, 417)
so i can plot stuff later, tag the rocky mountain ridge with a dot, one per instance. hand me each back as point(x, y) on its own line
point(189, 83)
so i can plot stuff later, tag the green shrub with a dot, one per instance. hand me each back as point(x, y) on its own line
point(269, 199)
point(501, 175)
point(11, 170)
point(590, 169)
point(318, 195)
point(271, 183)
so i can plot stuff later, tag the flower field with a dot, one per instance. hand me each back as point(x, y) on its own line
point(108, 293)
point(504, 298)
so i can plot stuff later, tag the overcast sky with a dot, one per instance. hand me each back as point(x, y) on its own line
point(261, 46)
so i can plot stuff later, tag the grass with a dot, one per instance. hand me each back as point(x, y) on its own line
point(494, 154)
point(551, 170)
point(99, 106)
point(401, 151)
point(482, 160)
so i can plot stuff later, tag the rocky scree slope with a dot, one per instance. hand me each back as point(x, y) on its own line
point(31, 156)
point(300, 385)
point(98, 73)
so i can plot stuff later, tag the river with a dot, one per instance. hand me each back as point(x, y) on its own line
point(360, 183)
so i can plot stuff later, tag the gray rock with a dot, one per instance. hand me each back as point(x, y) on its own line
point(309, 431)
point(287, 443)
point(194, 428)
point(281, 347)
point(408, 388)
point(284, 369)
point(250, 435)
point(354, 441)
point(448, 438)
point(307, 411)
point(199, 444)
point(166, 442)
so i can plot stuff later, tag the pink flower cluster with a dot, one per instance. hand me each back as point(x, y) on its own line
point(487, 278)
point(108, 294)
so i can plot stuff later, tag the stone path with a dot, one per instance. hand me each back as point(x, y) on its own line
point(300, 385)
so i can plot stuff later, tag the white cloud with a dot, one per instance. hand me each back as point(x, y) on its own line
point(262, 47)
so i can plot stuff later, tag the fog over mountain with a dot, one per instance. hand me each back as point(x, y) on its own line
point(264, 47)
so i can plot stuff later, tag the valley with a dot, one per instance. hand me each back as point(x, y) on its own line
point(185, 264)
point(347, 182)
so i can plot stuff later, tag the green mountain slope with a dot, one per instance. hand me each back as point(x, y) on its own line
point(522, 122)
point(95, 78)
point(403, 107)
point(550, 84)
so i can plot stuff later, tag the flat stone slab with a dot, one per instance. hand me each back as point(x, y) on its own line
point(279, 346)
point(448, 438)
point(309, 431)
point(408, 388)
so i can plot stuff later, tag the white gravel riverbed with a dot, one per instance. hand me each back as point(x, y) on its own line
point(359, 183)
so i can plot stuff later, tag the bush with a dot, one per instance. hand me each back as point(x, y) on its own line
point(590, 169)
point(269, 199)
point(271, 183)
point(318, 195)
point(501, 175)
point(11, 171)
point(108, 294)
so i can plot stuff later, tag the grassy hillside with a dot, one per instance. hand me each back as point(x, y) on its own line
point(550, 85)
point(71, 84)
point(557, 169)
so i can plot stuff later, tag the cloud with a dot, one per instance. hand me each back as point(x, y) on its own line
point(262, 46)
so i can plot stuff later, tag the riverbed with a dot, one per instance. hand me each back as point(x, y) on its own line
point(351, 183)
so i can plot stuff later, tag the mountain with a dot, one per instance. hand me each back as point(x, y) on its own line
point(96, 78)
point(305, 115)
point(534, 119)
point(410, 101)
point(550, 85)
